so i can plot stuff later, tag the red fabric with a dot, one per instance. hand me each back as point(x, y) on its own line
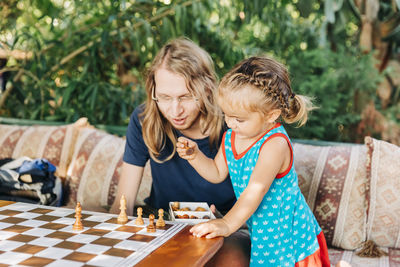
point(324, 250)
point(233, 136)
point(320, 258)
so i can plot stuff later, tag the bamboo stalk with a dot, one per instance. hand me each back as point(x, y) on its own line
point(8, 69)
point(17, 54)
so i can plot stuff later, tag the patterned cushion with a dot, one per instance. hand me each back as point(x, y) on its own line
point(54, 143)
point(95, 169)
point(391, 260)
point(333, 181)
point(383, 224)
point(145, 185)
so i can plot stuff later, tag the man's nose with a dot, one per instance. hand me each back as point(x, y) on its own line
point(176, 106)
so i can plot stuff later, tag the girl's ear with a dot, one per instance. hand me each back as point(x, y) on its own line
point(273, 115)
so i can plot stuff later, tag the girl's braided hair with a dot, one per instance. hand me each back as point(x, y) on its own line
point(270, 80)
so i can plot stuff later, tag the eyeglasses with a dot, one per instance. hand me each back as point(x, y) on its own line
point(166, 100)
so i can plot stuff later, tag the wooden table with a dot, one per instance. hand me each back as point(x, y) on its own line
point(184, 250)
point(181, 250)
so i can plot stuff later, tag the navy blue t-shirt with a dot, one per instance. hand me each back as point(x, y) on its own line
point(175, 179)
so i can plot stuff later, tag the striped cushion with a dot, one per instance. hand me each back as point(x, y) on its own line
point(383, 226)
point(333, 181)
point(391, 260)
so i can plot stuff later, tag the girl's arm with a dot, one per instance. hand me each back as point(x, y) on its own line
point(273, 159)
point(213, 170)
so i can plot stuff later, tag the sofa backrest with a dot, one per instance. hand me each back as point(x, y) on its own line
point(54, 143)
point(94, 172)
point(352, 189)
point(333, 180)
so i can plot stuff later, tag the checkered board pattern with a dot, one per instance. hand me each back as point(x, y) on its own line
point(35, 235)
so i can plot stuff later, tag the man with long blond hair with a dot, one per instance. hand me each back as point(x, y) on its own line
point(180, 87)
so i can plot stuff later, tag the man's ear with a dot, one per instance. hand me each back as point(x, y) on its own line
point(273, 115)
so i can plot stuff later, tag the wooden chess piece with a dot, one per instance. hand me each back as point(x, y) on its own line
point(160, 222)
point(139, 219)
point(151, 228)
point(189, 150)
point(122, 217)
point(77, 226)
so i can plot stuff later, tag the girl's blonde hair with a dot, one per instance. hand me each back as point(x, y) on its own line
point(182, 56)
point(269, 83)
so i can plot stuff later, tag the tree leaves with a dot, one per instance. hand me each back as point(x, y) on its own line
point(89, 57)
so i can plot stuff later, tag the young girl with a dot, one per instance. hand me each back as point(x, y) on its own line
point(257, 153)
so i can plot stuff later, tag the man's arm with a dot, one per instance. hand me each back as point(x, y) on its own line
point(129, 183)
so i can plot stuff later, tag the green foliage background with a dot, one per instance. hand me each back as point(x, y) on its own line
point(83, 51)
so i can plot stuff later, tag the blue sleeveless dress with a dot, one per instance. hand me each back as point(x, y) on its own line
point(283, 229)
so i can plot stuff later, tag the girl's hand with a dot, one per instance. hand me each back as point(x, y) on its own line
point(186, 148)
point(211, 229)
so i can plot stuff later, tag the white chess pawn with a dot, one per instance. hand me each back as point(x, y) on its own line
point(160, 222)
point(139, 219)
point(122, 217)
point(77, 226)
point(151, 228)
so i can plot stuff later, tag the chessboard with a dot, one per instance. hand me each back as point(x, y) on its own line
point(36, 235)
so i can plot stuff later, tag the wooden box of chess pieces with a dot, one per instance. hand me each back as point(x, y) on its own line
point(190, 212)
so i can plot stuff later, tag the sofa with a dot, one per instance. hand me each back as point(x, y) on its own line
point(353, 189)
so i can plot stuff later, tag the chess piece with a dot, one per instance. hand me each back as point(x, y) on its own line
point(160, 222)
point(151, 228)
point(139, 219)
point(122, 217)
point(189, 150)
point(77, 226)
